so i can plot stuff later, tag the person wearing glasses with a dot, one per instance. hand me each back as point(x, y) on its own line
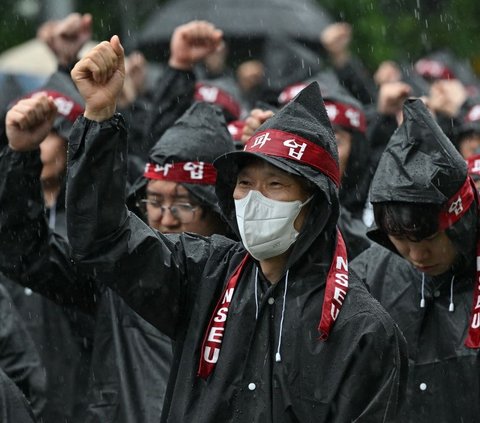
point(176, 192)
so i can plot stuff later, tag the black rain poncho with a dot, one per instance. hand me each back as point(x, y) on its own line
point(420, 165)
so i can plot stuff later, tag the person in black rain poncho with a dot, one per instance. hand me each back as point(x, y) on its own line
point(62, 337)
point(423, 269)
point(273, 328)
point(131, 359)
point(180, 172)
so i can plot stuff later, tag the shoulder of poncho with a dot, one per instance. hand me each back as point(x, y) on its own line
point(361, 306)
point(215, 245)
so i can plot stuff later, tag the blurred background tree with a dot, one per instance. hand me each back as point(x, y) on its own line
point(405, 30)
point(393, 29)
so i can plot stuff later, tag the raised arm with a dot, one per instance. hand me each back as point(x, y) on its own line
point(174, 92)
point(147, 269)
point(96, 174)
point(30, 253)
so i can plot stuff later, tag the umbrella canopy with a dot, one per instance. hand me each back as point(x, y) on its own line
point(287, 62)
point(245, 23)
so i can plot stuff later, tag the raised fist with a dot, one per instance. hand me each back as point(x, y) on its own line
point(29, 122)
point(336, 39)
point(193, 42)
point(66, 37)
point(99, 77)
point(254, 121)
point(391, 97)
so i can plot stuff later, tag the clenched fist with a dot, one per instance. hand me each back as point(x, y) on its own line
point(29, 122)
point(99, 77)
point(256, 118)
point(192, 43)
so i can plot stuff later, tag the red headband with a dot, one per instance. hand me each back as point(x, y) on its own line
point(336, 290)
point(273, 142)
point(290, 92)
point(473, 336)
point(187, 172)
point(457, 205)
point(452, 212)
point(432, 69)
point(215, 95)
point(346, 116)
point(473, 164)
point(236, 129)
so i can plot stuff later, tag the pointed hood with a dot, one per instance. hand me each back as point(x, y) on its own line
point(421, 165)
point(186, 151)
point(210, 93)
point(298, 139)
point(346, 112)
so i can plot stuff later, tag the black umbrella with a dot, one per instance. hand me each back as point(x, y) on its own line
point(246, 23)
point(287, 62)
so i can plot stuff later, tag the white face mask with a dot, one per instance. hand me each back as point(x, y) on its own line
point(266, 226)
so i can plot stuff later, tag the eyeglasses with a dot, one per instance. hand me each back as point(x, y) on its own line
point(184, 212)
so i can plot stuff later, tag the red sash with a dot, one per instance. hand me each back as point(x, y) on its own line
point(335, 292)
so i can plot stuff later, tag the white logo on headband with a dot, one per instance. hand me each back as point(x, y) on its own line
point(209, 94)
point(158, 169)
point(474, 113)
point(476, 166)
point(64, 106)
point(296, 150)
point(456, 207)
point(332, 111)
point(261, 140)
point(354, 117)
point(195, 169)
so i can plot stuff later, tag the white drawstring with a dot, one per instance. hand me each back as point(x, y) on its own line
point(451, 307)
point(256, 293)
point(422, 301)
point(52, 218)
point(278, 357)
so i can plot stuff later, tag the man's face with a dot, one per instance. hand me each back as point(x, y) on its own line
point(469, 146)
point(433, 255)
point(273, 183)
point(344, 146)
point(171, 209)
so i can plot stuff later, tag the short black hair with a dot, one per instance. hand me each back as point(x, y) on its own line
point(416, 221)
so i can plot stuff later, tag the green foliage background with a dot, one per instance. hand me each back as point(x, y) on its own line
point(394, 29)
point(407, 29)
